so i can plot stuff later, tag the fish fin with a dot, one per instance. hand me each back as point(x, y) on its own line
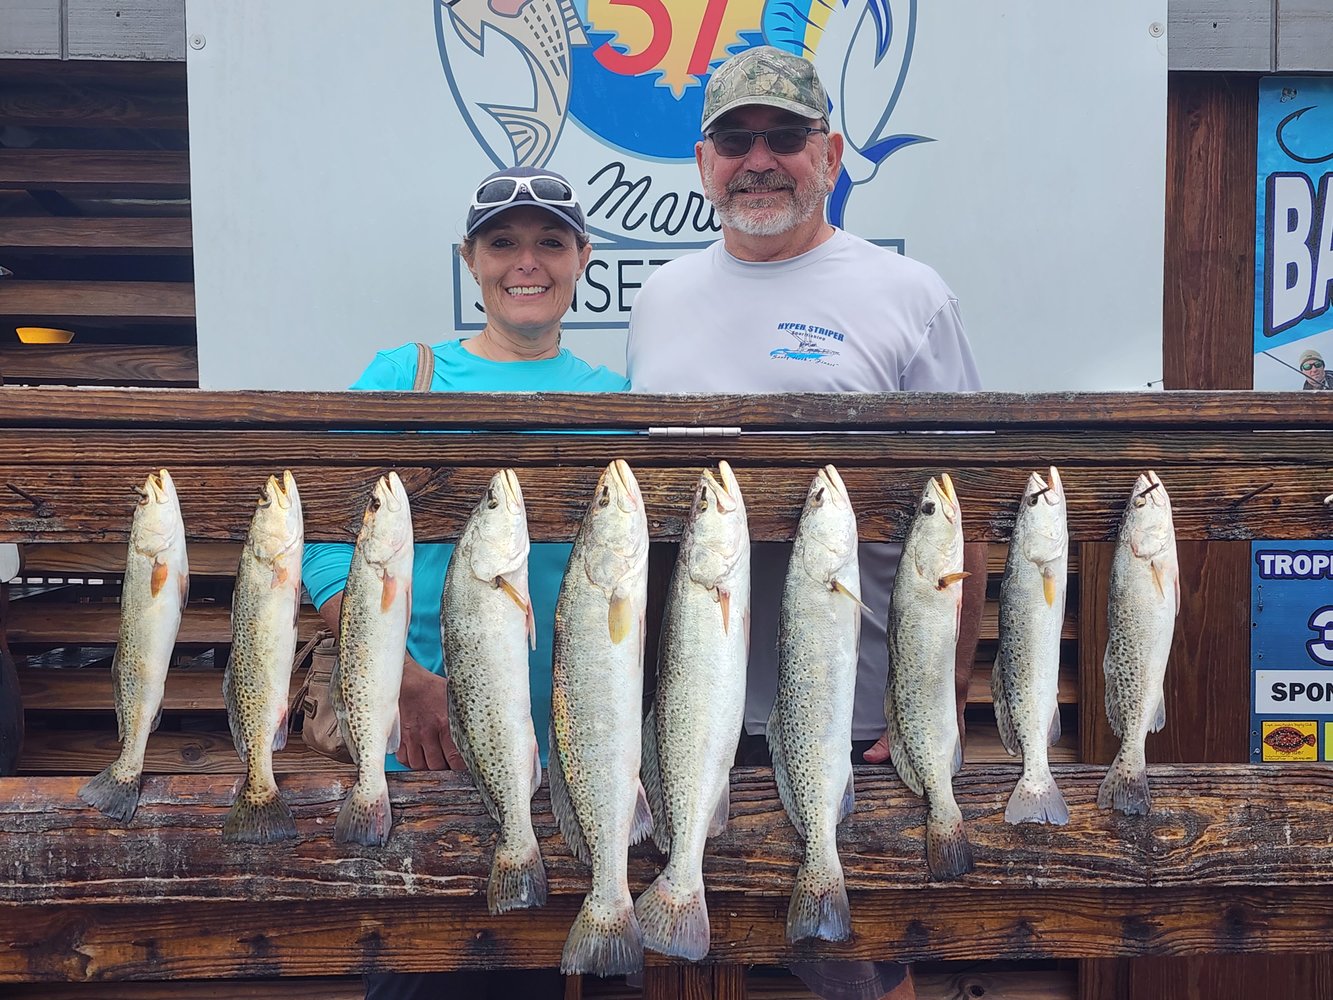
point(280, 575)
point(159, 578)
point(116, 681)
point(116, 797)
point(1159, 717)
point(184, 585)
point(780, 776)
point(459, 735)
point(512, 593)
point(388, 592)
point(650, 775)
point(233, 713)
point(1176, 581)
point(604, 941)
point(573, 25)
point(563, 806)
point(258, 819)
point(642, 827)
point(819, 907)
point(532, 626)
point(395, 735)
point(1115, 712)
point(721, 811)
point(724, 602)
point(957, 763)
point(948, 852)
point(897, 749)
point(674, 922)
point(157, 719)
point(518, 876)
point(536, 766)
point(1037, 800)
point(949, 579)
point(620, 618)
point(1125, 787)
point(530, 136)
point(1157, 579)
point(999, 696)
point(1053, 731)
point(280, 737)
point(365, 817)
point(1049, 588)
point(837, 586)
point(848, 804)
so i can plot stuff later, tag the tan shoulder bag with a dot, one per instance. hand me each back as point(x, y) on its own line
point(319, 723)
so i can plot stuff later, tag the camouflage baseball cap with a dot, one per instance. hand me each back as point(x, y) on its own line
point(768, 76)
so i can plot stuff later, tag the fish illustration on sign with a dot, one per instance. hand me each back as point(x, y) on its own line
point(861, 52)
point(543, 31)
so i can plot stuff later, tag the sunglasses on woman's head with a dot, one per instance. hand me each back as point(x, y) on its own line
point(540, 188)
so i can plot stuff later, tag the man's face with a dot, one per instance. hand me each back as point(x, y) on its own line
point(764, 193)
point(1313, 370)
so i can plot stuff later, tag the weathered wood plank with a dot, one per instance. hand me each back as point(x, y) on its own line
point(1221, 35)
point(1212, 826)
point(89, 689)
point(344, 988)
point(124, 173)
point(91, 502)
point(32, 29)
point(395, 411)
point(138, 29)
point(1304, 37)
point(100, 364)
point(72, 751)
point(84, 237)
point(97, 95)
point(142, 301)
point(99, 559)
point(38, 623)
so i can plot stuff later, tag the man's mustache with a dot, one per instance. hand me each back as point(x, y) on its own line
point(767, 180)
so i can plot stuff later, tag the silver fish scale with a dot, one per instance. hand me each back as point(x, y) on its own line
point(369, 664)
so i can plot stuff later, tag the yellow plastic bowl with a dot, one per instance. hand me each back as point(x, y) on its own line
point(44, 335)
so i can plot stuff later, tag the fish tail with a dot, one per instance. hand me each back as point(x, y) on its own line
point(365, 816)
point(948, 852)
point(112, 793)
point(674, 918)
point(1036, 799)
point(259, 816)
point(819, 907)
point(518, 876)
point(605, 939)
point(1125, 786)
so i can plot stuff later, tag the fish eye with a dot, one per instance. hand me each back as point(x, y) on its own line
point(928, 506)
point(604, 499)
point(1140, 502)
point(375, 503)
point(491, 501)
point(819, 495)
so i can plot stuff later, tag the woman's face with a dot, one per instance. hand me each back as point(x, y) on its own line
point(526, 262)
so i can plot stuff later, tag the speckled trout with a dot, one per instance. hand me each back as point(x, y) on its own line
point(486, 624)
point(152, 596)
point(596, 706)
point(372, 642)
point(1026, 676)
point(810, 727)
point(919, 702)
point(1142, 608)
point(690, 735)
point(257, 681)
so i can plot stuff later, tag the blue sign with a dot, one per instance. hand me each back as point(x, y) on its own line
point(1291, 651)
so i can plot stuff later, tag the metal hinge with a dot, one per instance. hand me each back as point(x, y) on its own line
point(694, 432)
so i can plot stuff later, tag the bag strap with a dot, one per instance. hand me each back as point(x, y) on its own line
point(301, 692)
point(425, 368)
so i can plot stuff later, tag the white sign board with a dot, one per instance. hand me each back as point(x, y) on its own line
point(1017, 147)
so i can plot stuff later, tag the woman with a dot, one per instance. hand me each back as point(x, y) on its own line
point(526, 247)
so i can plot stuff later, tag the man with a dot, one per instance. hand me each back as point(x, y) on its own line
point(1312, 367)
point(785, 302)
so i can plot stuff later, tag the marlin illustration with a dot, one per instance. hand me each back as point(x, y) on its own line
point(852, 42)
point(807, 348)
point(543, 31)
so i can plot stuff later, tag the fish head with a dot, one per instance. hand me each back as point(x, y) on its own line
point(826, 535)
point(276, 527)
point(157, 518)
point(717, 537)
point(495, 539)
point(614, 533)
point(1147, 523)
point(934, 542)
point(386, 526)
point(1041, 530)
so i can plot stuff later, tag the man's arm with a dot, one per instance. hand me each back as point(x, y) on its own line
point(969, 633)
point(423, 713)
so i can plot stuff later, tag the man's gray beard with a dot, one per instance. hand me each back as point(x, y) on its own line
point(773, 220)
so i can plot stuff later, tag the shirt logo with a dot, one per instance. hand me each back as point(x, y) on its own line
point(813, 344)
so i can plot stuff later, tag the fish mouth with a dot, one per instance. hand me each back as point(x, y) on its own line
point(828, 479)
point(1049, 491)
point(513, 494)
point(391, 493)
point(619, 479)
point(282, 493)
point(944, 486)
point(1148, 486)
point(728, 492)
point(158, 487)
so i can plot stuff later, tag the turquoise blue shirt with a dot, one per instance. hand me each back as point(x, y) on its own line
point(325, 566)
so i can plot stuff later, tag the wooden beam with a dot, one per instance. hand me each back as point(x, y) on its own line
point(49, 623)
point(29, 303)
point(100, 364)
point(88, 689)
point(85, 752)
point(46, 93)
point(123, 173)
point(88, 236)
point(84, 559)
